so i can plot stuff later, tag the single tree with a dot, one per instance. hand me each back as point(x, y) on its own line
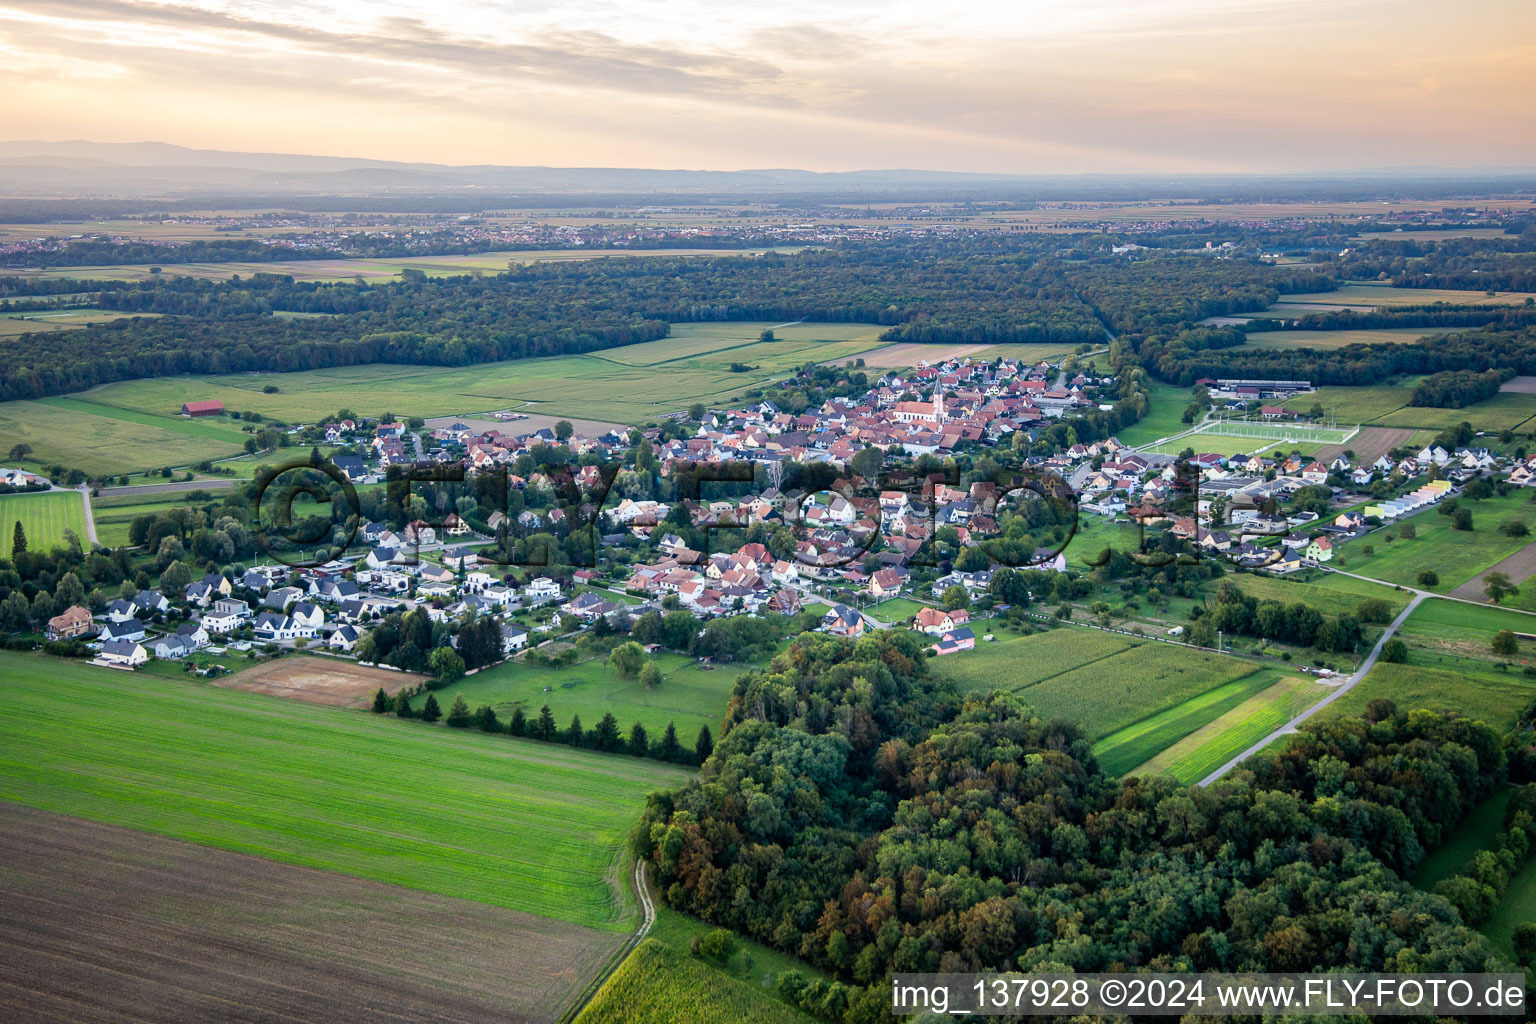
point(1505, 645)
point(446, 664)
point(430, 712)
point(639, 744)
point(1461, 519)
point(574, 735)
point(1394, 651)
point(544, 728)
point(627, 659)
point(402, 707)
point(486, 720)
point(606, 735)
point(458, 713)
point(518, 726)
point(670, 749)
point(380, 702)
point(650, 676)
point(1497, 586)
point(1429, 578)
point(705, 745)
point(564, 430)
point(18, 539)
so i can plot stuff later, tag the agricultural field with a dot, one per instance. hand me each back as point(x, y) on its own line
point(50, 320)
point(114, 515)
point(1024, 661)
point(910, 353)
point(1327, 600)
point(596, 385)
point(1034, 353)
point(677, 930)
point(1445, 634)
point(366, 268)
point(688, 695)
point(1368, 445)
point(1338, 339)
point(1126, 749)
point(691, 340)
point(105, 443)
point(1472, 690)
point(1209, 747)
point(1362, 293)
point(517, 824)
point(94, 917)
point(1110, 693)
point(44, 516)
point(319, 679)
point(1355, 405)
point(1506, 410)
point(1455, 555)
point(1164, 418)
point(659, 985)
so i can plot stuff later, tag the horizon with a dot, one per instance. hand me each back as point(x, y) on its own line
point(1103, 87)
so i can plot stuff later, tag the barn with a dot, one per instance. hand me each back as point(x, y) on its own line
point(209, 408)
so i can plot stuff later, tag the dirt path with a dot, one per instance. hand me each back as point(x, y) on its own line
point(1519, 567)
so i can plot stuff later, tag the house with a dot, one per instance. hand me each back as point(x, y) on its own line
point(379, 557)
point(1433, 453)
point(281, 598)
point(225, 615)
point(342, 638)
point(209, 407)
point(886, 583)
point(955, 640)
point(148, 602)
point(334, 591)
point(1320, 550)
point(132, 629)
point(542, 589)
point(513, 639)
point(785, 602)
point(121, 611)
point(172, 646)
point(196, 632)
point(123, 652)
point(73, 622)
point(1314, 473)
point(308, 615)
point(936, 621)
point(841, 620)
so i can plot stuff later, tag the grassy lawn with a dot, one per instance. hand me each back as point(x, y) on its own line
point(1222, 444)
point(1355, 405)
point(729, 342)
point(1093, 537)
point(688, 695)
point(1127, 748)
point(1475, 833)
point(1326, 600)
point(1164, 417)
point(1455, 555)
point(1372, 293)
point(676, 930)
point(210, 428)
point(44, 516)
point(1443, 634)
point(1209, 747)
point(1517, 908)
point(1487, 696)
point(1027, 660)
point(657, 984)
point(509, 822)
point(1124, 688)
point(900, 609)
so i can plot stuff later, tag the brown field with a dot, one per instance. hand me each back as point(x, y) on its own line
point(1519, 567)
point(908, 353)
point(1368, 445)
point(100, 923)
point(319, 680)
point(1520, 385)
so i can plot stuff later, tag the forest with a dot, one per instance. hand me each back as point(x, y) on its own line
point(858, 814)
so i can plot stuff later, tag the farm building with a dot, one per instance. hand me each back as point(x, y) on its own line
point(212, 407)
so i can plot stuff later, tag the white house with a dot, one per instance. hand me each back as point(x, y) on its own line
point(124, 652)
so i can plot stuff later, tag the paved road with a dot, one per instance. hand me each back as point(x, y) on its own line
point(1349, 684)
point(212, 484)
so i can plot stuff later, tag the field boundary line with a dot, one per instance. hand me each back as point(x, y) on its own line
point(647, 919)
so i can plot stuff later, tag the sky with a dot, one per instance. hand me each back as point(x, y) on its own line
point(1028, 86)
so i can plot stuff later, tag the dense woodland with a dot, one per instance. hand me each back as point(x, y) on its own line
point(858, 814)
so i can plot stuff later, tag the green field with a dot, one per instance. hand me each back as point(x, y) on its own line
point(105, 444)
point(210, 429)
point(793, 344)
point(47, 321)
point(1476, 832)
point(1222, 444)
point(597, 385)
point(1025, 661)
point(659, 985)
point(1456, 555)
point(688, 695)
point(901, 609)
point(44, 516)
point(1034, 353)
point(1446, 634)
point(513, 823)
point(1487, 696)
point(1355, 405)
point(1165, 416)
point(347, 269)
point(1518, 907)
point(1117, 691)
point(1125, 749)
point(114, 515)
point(1361, 293)
point(1324, 599)
point(1338, 339)
point(677, 930)
point(1093, 537)
point(1209, 747)
point(1504, 411)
